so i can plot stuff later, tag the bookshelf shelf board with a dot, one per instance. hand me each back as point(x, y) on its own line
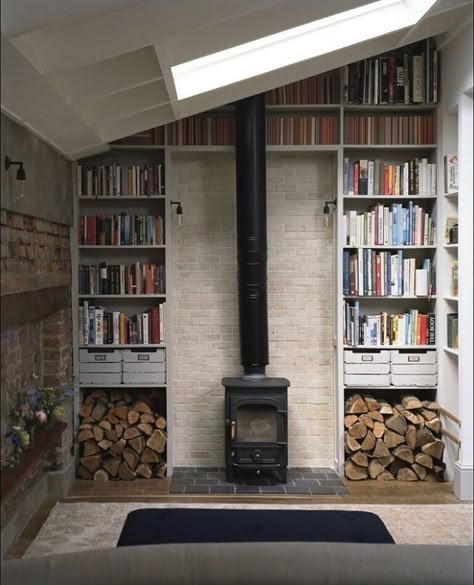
point(99, 296)
point(98, 247)
point(388, 107)
point(136, 146)
point(451, 351)
point(300, 107)
point(391, 298)
point(397, 197)
point(127, 386)
point(451, 298)
point(119, 197)
point(388, 247)
point(451, 246)
point(370, 347)
point(400, 388)
point(122, 346)
point(390, 146)
point(453, 195)
point(201, 148)
point(302, 147)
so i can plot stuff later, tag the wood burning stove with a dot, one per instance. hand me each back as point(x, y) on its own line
point(255, 406)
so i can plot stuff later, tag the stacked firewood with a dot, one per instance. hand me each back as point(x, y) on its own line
point(120, 437)
point(386, 442)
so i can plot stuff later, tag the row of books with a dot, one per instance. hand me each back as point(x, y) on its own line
point(320, 129)
point(378, 177)
point(152, 136)
point(370, 273)
point(394, 225)
point(100, 327)
point(202, 130)
point(121, 230)
point(404, 76)
point(120, 181)
point(408, 328)
point(390, 129)
point(121, 279)
point(319, 89)
point(452, 331)
point(455, 279)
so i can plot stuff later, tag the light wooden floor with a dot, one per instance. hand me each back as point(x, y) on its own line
point(364, 492)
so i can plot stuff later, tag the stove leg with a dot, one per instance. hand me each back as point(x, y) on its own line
point(229, 474)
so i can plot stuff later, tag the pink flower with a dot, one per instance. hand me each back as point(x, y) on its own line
point(24, 409)
point(41, 416)
point(4, 457)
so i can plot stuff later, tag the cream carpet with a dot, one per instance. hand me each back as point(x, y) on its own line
point(80, 526)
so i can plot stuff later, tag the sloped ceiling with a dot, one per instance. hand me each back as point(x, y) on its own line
point(81, 73)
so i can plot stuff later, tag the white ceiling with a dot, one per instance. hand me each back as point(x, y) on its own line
point(81, 73)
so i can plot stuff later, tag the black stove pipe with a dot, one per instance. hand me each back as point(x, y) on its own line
point(252, 232)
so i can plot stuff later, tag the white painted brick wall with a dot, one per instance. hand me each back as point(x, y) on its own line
point(204, 290)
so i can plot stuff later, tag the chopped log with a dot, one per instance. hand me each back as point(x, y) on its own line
point(127, 397)
point(428, 414)
point(358, 430)
point(424, 459)
point(112, 418)
point(98, 433)
point(85, 435)
point(355, 472)
point(111, 466)
point(360, 459)
point(433, 477)
point(430, 405)
point(435, 449)
point(157, 441)
point(410, 436)
point(111, 435)
point(99, 411)
point(350, 419)
point(119, 446)
point(86, 409)
point(124, 424)
point(150, 456)
point(144, 470)
point(369, 442)
point(120, 412)
point(367, 421)
point(375, 468)
point(379, 429)
point(385, 407)
point(421, 420)
point(386, 461)
point(142, 407)
point(83, 473)
point(138, 444)
point(410, 416)
point(125, 473)
point(420, 471)
point(101, 475)
point(89, 400)
point(160, 423)
point(161, 470)
point(116, 395)
point(434, 425)
point(131, 433)
point(350, 444)
point(392, 439)
point(377, 416)
point(131, 458)
point(104, 424)
point(424, 436)
point(90, 448)
point(147, 418)
point(372, 404)
point(88, 419)
point(385, 476)
point(396, 465)
point(145, 428)
point(105, 444)
point(380, 449)
point(84, 427)
point(119, 430)
point(91, 463)
point(133, 416)
point(406, 474)
point(355, 405)
point(411, 402)
point(100, 395)
point(397, 423)
point(405, 453)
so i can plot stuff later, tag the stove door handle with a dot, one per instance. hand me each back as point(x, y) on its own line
point(232, 429)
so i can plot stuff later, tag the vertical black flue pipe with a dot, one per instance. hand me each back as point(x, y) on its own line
point(252, 232)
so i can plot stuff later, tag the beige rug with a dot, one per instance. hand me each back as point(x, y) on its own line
point(80, 526)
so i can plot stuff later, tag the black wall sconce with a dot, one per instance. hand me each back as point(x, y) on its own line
point(19, 186)
point(326, 210)
point(179, 210)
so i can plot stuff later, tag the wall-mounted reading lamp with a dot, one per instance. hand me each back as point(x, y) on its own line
point(326, 210)
point(19, 186)
point(179, 210)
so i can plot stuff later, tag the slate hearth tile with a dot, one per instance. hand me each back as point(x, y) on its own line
point(182, 482)
point(184, 469)
point(298, 490)
point(222, 489)
point(341, 491)
point(305, 482)
point(215, 475)
point(302, 469)
point(177, 489)
point(333, 475)
point(314, 475)
point(295, 475)
point(205, 481)
point(272, 489)
point(331, 482)
point(318, 490)
point(197, 489)
point(322, 469)
point(207, 469)
point(247, 489)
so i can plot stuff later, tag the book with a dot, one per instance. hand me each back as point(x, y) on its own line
point(455, 279)
point(451, 173)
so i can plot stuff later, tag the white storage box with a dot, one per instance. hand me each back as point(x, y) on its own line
point(367, 369)
point(99, 355)
point(366, 357)
point(367, 380)
point(414, 369)
point(413, 380)
point(99, 378)
point(413, 357)
point(100, 367)
point(134, 378)
point(146, 368)
point(144, 355)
